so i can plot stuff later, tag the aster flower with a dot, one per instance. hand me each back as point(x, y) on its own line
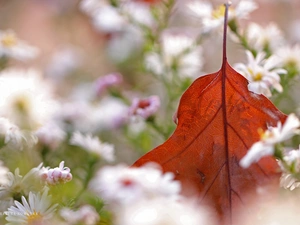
point(17, 183)
point(11, 134)
point(144, 108)
point(37, 210)
point(155, 212)
point(214, 18)
point(267, 38)
point(50, 134)
point(109, 80)
point(261, 73)
point(25, 98)
point(123, 185)
point(269, 138)
point(3, 174)
point(86, 214)
point(179, 56)
point(12, 46)
point(93, 144)
point(290, 57)
point(57, 175)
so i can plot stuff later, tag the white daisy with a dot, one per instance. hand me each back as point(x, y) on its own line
point(179, 56)
point(260, 38)
point(261, 73)
point(11, 46)
point(93, 144)
point(290, 56)
point(25, 98)
point(272, 136)
point(123, 185)
point(20, 184)
point(36, 210)
point(214, 18)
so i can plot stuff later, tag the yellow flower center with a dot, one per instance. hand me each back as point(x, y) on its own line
point(9, 40)
point(219, 12)
point(264, 135)
point(34, 218)
point(22, 104)
point(258, 77)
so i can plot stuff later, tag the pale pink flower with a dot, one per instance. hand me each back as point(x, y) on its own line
point(144, 108)
point(86, 214)
point(107, 81)
point(57, 175)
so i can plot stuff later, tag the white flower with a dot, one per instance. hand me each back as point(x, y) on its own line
point(57, 175)
point(214, 18)
point(11, 46)
point(63, 62)
point(108, 19)
point(17, 183)
point(11, 133)
point(269, 138)
point(290, 56)
point(261, 73)
point(93, 144)
point(51, 134)
point(36, 210)
point(90, 6)
point(3, 174)
point(85, 214)
point(179, 51)
point(269, 37)
point(288, 181)
point(123, 185)
point(25, 98)
point(162, 211)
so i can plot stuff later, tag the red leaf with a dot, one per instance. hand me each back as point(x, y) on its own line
point(218, 121)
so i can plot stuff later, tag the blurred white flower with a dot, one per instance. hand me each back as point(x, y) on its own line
point(214, 18)
point(86, 214)
point(90, 6)
point(37, 210)
point(292, 160)
point(290, 56)
point(261, 73)
point(123, 185)
point(25, 98)
point(260, 38)
point(144, 108)
point(125, 43)
point(51, 134)
point(93, 144)
point(270, 137)
point(108, 19)
point(12, 46)
point(57, 175)
point(163, 211)
point(63, 62)
point(179, 56)
point(107, 81)
point(11, 133)
point(18, 183)
point(3, 174)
